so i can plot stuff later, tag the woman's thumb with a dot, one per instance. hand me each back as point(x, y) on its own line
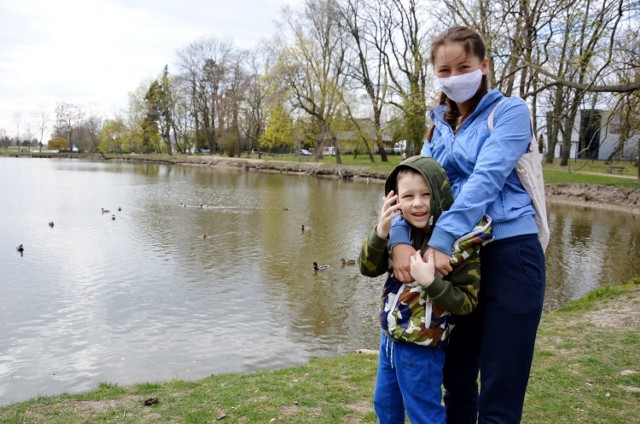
point(430, 256)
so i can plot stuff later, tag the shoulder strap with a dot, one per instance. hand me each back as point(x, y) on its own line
point(490, 125)
point(490, 119)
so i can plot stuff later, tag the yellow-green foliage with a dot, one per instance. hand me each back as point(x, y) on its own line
point(279, 129)
point(58, 143)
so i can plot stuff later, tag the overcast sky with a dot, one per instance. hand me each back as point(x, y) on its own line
point(94, 52)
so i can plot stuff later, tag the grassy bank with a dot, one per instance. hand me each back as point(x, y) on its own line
point(585, 370)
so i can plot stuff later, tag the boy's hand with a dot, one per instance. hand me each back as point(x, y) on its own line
point(443, 266)
point(390, 209)
point(402, 254)
point(424, 271)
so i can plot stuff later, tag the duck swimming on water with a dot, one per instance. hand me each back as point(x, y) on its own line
point(321, 267)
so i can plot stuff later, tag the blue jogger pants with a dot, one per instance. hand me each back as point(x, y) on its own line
point(409, 379)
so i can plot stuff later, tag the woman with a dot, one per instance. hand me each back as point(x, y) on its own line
point(497, 339)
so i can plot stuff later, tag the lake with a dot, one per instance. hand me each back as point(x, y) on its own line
point(139, 293)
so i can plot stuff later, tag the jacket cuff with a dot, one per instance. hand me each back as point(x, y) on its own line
point(441, 241)
point(436, 288)
point(399, 234)
point(375, 242)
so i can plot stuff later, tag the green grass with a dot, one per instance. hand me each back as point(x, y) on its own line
point(590, 172)
point(585, 370)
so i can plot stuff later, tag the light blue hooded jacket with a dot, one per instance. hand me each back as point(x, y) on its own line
point(481, 168)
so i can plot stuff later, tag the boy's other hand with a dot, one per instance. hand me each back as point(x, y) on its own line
point(443, 266)
point(390, 209)
point(402, 254)
point(424, 271)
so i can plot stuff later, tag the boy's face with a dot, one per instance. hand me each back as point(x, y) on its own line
point(414, 196)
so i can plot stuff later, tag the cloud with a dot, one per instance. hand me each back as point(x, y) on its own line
point(97, 51)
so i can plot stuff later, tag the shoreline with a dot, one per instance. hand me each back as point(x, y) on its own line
point(583, 195)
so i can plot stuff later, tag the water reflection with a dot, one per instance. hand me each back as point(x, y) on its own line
point(589, 248)
point(146, 297)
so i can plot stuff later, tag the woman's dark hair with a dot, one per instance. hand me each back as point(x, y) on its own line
point(473, 44)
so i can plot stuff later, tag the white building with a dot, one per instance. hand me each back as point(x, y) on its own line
point(594, 136)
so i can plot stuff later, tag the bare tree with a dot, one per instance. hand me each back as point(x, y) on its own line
point(17, 120)
point(405, 58)
point(41, 117)
point(204, 65)
point(313, 67)
point(252, 124)
point(68, 119)
point(369, 39)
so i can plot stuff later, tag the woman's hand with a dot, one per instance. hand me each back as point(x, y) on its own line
point(402, 254)
point(423, 271)
point(390, 209)
point(442, 264)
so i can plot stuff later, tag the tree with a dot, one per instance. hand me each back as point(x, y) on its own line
point(405, 60)
point(253, 123)
point(279, 131)
point(369, 40)
point(112, 136)
point(68, 119)
point(313, 67)
point(58, 143)
point(204, 65)
point(151, 123)
point(42, 121)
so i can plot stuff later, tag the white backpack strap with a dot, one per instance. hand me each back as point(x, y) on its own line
point(490, 125)
point(490, 119)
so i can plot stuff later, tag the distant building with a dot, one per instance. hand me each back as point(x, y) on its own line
point(596, 135)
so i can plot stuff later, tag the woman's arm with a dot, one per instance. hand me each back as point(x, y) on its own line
point(401, 250)
point(458, 294)
point(496, 160)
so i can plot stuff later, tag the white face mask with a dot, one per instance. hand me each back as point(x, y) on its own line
point(461, 88)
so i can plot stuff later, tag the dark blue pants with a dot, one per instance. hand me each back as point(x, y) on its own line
point(498, 338)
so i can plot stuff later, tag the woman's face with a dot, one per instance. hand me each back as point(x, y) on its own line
point(451, 60)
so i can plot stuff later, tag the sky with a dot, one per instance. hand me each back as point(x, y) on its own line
point(92, 53)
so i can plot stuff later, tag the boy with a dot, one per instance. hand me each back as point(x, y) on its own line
point(414, 315)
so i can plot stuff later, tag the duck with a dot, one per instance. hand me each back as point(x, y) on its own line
point(51, 224)
point(20, 249)
point(284, 209)
point(105, 210)
point(348, 261)
point(322, 267)
point(113, 217)
point(305, 228)
point(119, 209)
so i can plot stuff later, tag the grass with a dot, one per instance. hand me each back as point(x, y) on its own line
point(585, 370)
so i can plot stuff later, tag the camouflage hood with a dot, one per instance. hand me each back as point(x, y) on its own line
point(441, 194)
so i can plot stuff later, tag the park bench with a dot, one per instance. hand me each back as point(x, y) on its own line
point(615, 168)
